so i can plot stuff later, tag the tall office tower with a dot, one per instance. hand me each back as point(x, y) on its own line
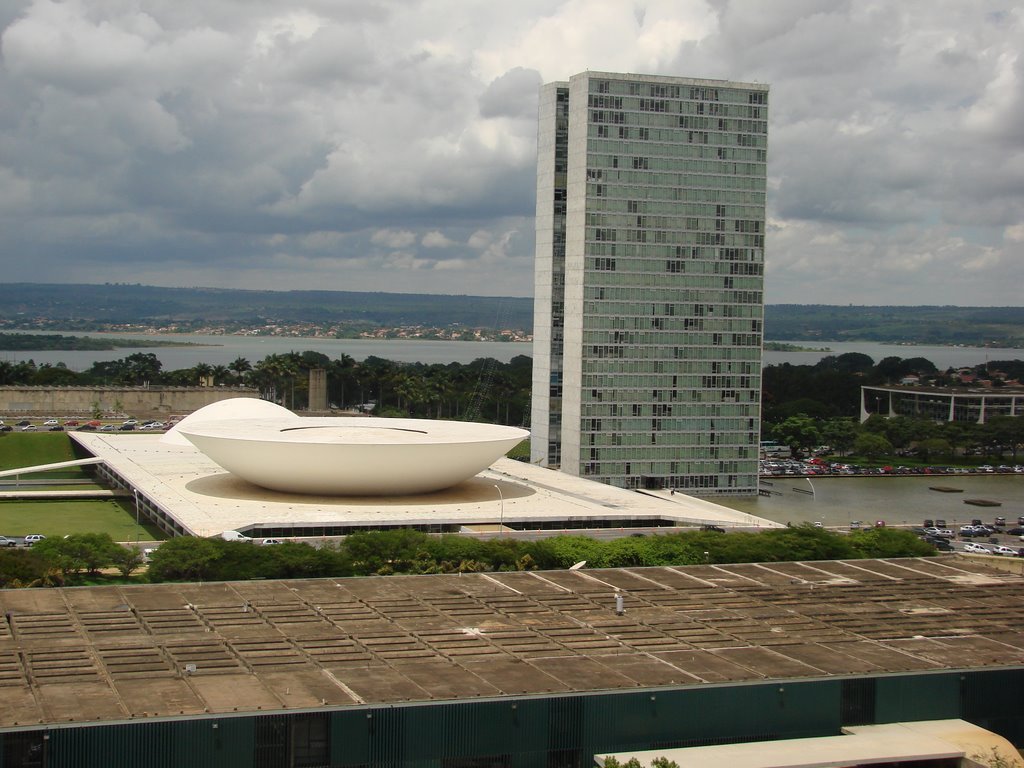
point(649, 278)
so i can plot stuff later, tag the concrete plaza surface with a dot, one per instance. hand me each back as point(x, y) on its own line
point(197, 496)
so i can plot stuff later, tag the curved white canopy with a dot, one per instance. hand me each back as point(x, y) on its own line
point(351, 456)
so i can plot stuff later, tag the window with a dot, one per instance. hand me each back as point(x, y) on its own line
point(23, 749)
point(295, 741)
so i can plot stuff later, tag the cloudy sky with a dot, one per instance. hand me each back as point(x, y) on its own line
point(390, 144)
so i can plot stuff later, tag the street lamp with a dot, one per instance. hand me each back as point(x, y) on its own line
point(501, 519)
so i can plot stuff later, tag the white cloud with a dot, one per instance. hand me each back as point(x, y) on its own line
point(386, 145)
point(393, 238)
point(435, 239)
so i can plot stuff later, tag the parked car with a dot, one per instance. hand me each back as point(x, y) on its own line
point(33, 538)
point(6, 542)
point(999, 522)
point(976, 549)
point(940, 544)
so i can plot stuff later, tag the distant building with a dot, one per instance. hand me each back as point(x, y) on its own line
point(977, 404)
point(648, 283)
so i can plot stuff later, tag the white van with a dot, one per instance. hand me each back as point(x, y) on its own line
point(234, 536)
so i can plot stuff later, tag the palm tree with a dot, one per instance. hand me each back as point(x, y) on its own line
point(240, 366)
point(221, 374)
point(201, 372)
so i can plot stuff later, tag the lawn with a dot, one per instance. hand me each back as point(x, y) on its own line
point(28, 449)
point(521, 451)
point(66, 516)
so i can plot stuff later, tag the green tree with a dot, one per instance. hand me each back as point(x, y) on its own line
point(798, 432)
point(888, 542)
point(384, 551)
point(22, 568)
point(840, 434)
point(78, 552)
point(127, 560)
point(183, 558)
point(239, 367)
point(934, 446)
point(871, 446)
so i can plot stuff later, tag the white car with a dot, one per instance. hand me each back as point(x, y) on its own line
point(976, 549)
point(1001, 550)
point(33, 538)
point(267, 542)
point(29, 428)
point(51, 423)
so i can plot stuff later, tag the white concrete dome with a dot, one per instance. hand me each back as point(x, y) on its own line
point(351, 456)
point(232, 408)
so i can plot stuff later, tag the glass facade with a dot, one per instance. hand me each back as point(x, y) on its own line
point(650, 281)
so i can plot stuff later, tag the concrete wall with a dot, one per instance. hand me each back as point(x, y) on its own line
point(115, 401)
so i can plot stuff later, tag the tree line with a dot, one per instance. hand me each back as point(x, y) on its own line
point(80, 558)
point(483, 390)
point(802, 405)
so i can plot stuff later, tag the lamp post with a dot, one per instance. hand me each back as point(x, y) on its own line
point(501, 518)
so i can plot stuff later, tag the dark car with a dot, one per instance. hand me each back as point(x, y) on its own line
point(126, 428)
point(87, 428)
point(715, 528)
point(23, 423)
point(6, 428)
point(57, 428)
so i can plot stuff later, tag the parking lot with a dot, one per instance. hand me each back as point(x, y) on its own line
point(69, 424)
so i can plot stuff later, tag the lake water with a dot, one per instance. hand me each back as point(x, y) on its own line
point(221, 350)
point(898, 500)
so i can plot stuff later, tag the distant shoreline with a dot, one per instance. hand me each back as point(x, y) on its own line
point(21, 341)
point(779, 346)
